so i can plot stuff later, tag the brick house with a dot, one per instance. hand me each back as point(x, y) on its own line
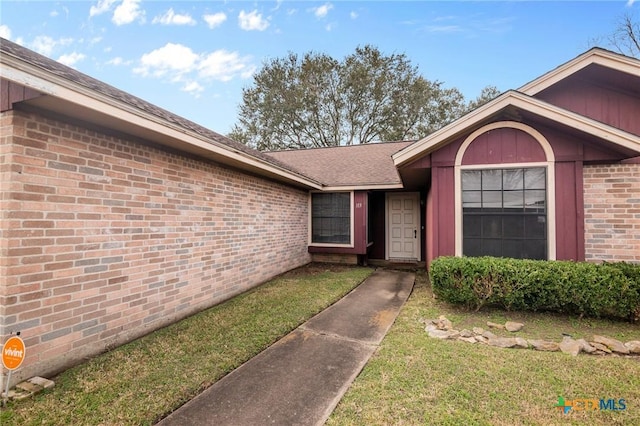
point(118, 217)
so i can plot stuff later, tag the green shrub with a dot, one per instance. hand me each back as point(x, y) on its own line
point(587, 289)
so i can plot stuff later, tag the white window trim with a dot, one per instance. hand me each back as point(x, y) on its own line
point(351, 220)
point(551, 179)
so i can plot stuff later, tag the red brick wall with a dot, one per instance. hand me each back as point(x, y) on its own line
point(612, 212)
point(104, 239)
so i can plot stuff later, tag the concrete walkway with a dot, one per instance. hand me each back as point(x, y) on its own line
point(301, 378)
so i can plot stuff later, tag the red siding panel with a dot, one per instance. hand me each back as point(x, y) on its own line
point(504, 145)
point(613, 107)
point(566, 212)
point(444, 201)
point(11, 93)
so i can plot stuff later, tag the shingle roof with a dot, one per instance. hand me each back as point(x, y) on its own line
point(355, 165)
point(69, 74)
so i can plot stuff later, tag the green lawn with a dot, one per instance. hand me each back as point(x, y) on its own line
point(414, 379)
point(142, 381)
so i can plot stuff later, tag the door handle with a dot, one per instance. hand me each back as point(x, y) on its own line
point(415, 233)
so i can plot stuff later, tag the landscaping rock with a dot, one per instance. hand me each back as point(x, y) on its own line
point(430, 327)
point(613, 344)
point(443, 323)
point(466, 333)
point(495, 325)
point(544, 345)
point(468, 339)
point(570, 346)
point(502, 342)
point(444, 334)
point(489, 335)
point(481, 339)
point(478, 330)
point(600, 348)
point(521, 343)
point(513, 326)
point(585, 346)
point(633, 346)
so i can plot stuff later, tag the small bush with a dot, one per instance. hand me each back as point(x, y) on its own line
point(587, 289)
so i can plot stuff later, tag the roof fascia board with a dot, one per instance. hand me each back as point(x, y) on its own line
point(533, 105)
point(594, 56)
point(362, 187)
point(28, 75)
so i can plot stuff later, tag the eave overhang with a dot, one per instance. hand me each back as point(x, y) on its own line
point(74, 100)
point(513, 99)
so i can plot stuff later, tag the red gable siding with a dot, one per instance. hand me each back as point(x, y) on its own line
point(604, 103)
point(505, 145)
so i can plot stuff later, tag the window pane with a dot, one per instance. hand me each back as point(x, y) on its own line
point(471, 180)
point(471, 199)
point(535, 199)
point(535, 249)
point(535, 178)
point(513, 226)
point(513, 248)
point(535, 226)
point(492, 200)
point(472, 247)
point(492, 179)
point(491, 227)
point(331, 218)
point(492, 247)
point(471, 226)
point(512, 179)
point(513, 199)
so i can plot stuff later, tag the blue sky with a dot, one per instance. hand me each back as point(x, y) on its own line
point(194, 58)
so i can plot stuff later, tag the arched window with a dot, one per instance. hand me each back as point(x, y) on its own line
point(506, 209)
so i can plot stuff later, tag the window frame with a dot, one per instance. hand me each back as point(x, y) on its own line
point(551, 185)
point(351, 221)
point(503, 213)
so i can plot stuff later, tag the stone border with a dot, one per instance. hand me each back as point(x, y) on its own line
point(442, 328)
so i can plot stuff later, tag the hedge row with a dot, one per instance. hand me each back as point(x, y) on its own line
point(587, 289)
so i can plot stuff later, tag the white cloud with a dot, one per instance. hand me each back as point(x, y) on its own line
point(252, 21)
point(174, 59)
point(45, 44)
point(353, 15)
point(101, 7)
point(180, 64)
point(71, 59)
point(329, 27)
point(215, 19)
point(224, 66)
point(172, 18)
point(630, 3)
point(5, 32)
point(194, 88)
point(127, 12)
point(322, 11)
point(117, 61)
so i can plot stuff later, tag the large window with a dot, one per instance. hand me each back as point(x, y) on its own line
point(331, 218)
point(504, 213)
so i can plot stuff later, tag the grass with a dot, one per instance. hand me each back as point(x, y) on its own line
point(413, 379)
point(141, 382)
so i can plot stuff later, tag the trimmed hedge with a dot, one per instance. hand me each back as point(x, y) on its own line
point(587, 289)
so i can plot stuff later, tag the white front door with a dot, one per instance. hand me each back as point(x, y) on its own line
point(403, 226)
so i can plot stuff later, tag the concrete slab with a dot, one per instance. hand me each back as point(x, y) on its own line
point(300, 379)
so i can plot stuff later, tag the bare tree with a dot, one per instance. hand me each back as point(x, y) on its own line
point(626, 37)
